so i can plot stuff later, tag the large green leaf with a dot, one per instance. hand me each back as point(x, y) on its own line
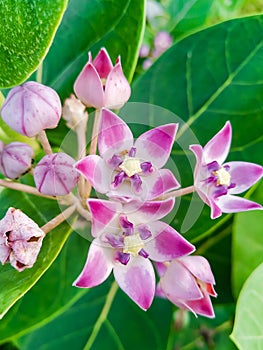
point(15, 283)
point(247, 243)
point(248, 331)
point(26, 32)
point(51, 295)
point(88, 26)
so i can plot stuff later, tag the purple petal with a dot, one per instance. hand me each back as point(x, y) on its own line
point(166, 243)
point(216, 210)
point(105, 216)
point(102, 63)
point(160, 182)
point(115, 136)
point(198, 152)
point(117, 88)
point(149, 211)
point(218, 147)
point(137, 280)
point(155, 145)
point(94, 169)
point(199, 267)
point(88, 87)
point(179, 283)
point(97, 268)
point(202, 307)
point(243, 175)
point(234, 204)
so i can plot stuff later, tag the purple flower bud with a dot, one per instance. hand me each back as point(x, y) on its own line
point(20, 239)
point(15, 159)
point(74, 112)
point(31, 108)
point(55, 175)
point(162, 42)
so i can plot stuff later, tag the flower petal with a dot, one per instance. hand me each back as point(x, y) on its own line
point(234, 204)
point(117, 88)
point(202, 307)
point(198, 152)
point(179, 283)
point(243, 175)
point(159, 182)
point(149, 211)
point(94, 169)
point(88, 86)
point(199, 267)
point(137, 280)
point(97, 268)
point(166, 243)
point(102, 63)
point(104, 216)
point(115, 136)
point(155, 145)
point(218, 147)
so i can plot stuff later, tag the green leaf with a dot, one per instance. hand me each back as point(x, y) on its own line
point(51, 295)
point(247, 243)
point(15, 283)
point(26, 32)
point(88, 26)
point(248, 332)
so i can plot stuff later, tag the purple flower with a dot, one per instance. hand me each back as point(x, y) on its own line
point(31, 108)
point(55, 175)
point(217, 182)
point(128, 169)
point(188, 283)
point(15, 159)
point(126, 237)
point(99, 84)
point(162, 41)
point(20, 239)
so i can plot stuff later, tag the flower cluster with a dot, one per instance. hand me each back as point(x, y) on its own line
point(129, 237)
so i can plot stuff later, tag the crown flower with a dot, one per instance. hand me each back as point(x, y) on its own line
point(100, 84)
point(126, 169)
point(15, 159)
point(20, 240)
point(55, 175)
point(126, 237)
point(217, 182)
point(188, 283)
point(31, 108)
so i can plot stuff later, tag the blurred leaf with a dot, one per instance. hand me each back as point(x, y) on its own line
point(222, 10)
point(15, 283)
point(248, 331)
point(26, 32)
point(88, 26)
point(188, 16)
point(126, 326)
point(247, 243)
point(51, 295)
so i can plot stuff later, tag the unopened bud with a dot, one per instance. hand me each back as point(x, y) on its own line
point(31, 108)
point(74, 112)
point(20, 239)
point(55, 174)
point(15, 159)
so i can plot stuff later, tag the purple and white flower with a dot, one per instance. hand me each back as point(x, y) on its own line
point(217, 182)
point(188, 283)
point(100, 84)
point(126, 237)
point(126, 169)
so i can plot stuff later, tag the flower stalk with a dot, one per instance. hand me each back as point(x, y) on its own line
point(42, 136)
point(57, 220)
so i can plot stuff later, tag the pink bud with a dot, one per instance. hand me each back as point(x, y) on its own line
point(15, 159)
point(20, 239)
point(162, 41)
point(74, 112)
point(55, 175)
point(99, 84)
point(31, 108)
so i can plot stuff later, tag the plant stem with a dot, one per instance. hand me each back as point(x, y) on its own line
point(57, 220)
point(95, 132)
point(42, 136)
point(82, 142)
point(23, 188)
point(103, 315)
point(178, 193)
point(39, 73)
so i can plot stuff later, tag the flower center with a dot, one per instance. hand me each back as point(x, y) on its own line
point(131, 166)
point(223, 177)
point(132, 244)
